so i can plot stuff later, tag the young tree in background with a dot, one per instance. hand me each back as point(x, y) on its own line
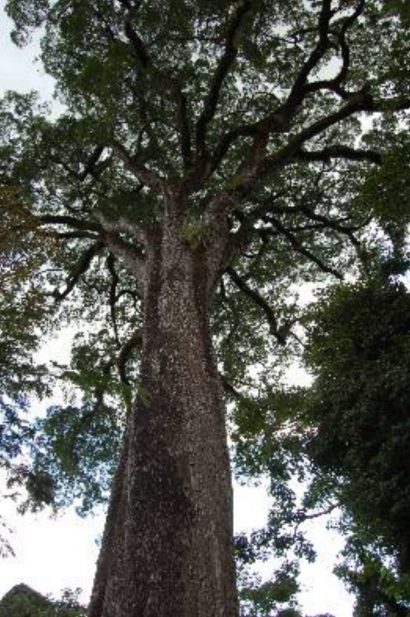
point(207, 152)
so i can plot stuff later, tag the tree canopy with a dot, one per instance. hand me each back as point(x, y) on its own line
point(282, 130)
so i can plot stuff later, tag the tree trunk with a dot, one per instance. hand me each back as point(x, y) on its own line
point(167, 546)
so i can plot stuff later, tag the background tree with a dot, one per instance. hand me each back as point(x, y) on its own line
point(208, 158)
point(22, 601)
point(349, 435)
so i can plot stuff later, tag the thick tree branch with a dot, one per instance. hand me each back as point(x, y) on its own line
point(137, 44)
point(81, 268)
point(335, 85)
point(339, 152)
point(133, 342)
point(389, 105)
point(143, 58)
point(91, 163)
point(183, 122)
point(224, 65)
point(300, 248)
point(108, 232)
point(69, 221)
point(257, 168)
point(361, 101)
point(146, 176)
point(279, 119)
point(123, 225)
point(127, 254)
point(184, 130)
point(113, 293)
point(71, 235)
point(298, 89)
point(256, 297)
point(226, 141)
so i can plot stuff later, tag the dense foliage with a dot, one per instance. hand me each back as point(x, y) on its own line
point(293, 117)
point(22, 601)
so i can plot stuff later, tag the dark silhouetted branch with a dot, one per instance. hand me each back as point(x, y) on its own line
point(300, 248)
point(256, 297)
point(339, 152)
point(124, 355)
point(224, 65)
point(146, 176)
point(113, 293)
point(69, 221)
point(298, 90)
point(81, 268)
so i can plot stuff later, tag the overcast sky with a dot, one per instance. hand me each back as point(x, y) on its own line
point(52, 554)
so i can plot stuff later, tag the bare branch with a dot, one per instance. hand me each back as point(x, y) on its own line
point(300, 248)
point(303, 516)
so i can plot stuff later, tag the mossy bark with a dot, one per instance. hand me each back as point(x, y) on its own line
point(167, 548)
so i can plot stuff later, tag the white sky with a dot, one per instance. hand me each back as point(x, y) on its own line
point(52, 554)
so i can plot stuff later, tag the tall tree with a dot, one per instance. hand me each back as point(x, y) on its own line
point(208, 156)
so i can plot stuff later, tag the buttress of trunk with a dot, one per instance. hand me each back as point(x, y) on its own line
point(167, 547)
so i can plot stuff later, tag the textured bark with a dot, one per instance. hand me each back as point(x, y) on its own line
point(167, 546)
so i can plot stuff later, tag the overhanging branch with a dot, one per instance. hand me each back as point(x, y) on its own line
point(257, 299)
point(81, 268)
point(335, 84)
point(224, 65)
point(298, 90)
point(339, 152)
point(69, 221)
